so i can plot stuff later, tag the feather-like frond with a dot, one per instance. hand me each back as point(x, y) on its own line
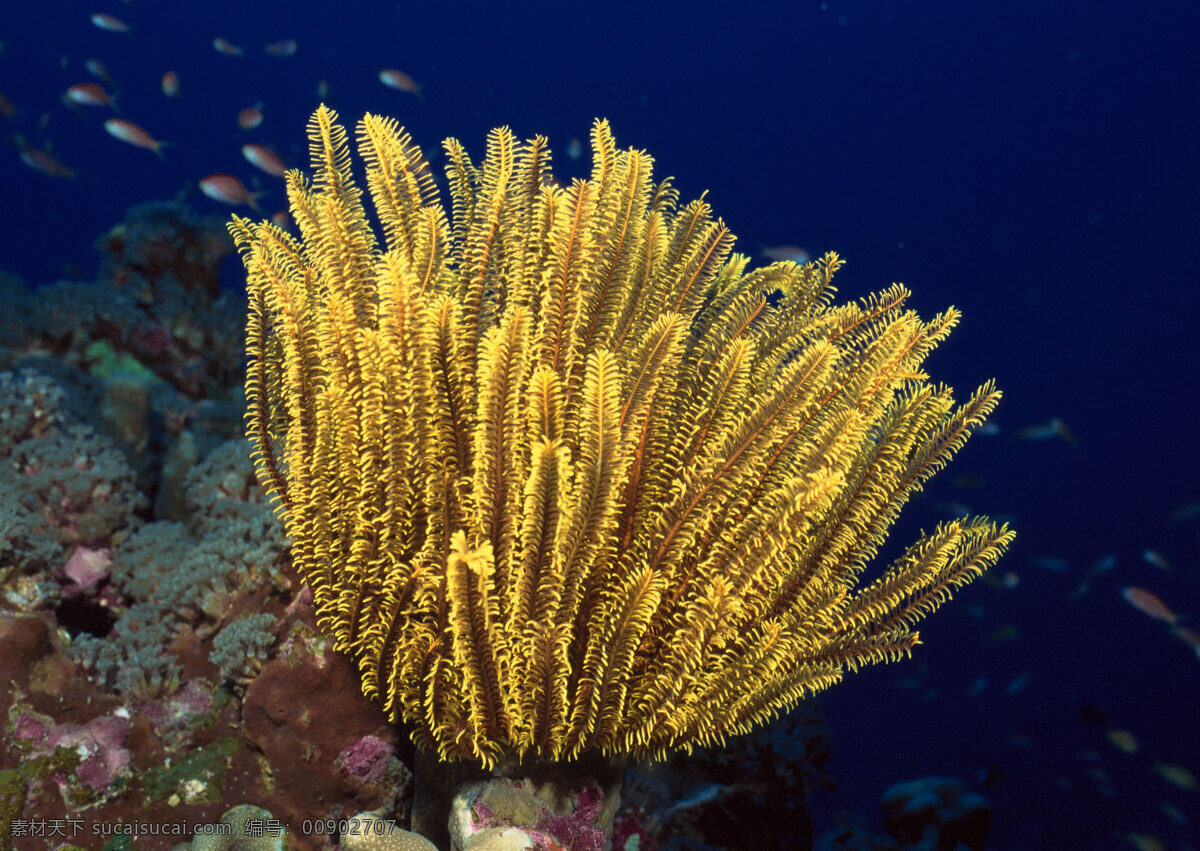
point(563, 472)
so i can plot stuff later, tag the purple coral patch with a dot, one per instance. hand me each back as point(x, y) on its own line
point(367, 759)
point(591, 802)
point(85, 568)
point(100, 742)
point(578, 831)
point(571, 833)
point(29, 727)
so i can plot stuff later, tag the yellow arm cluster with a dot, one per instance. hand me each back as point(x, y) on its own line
point(563, 474)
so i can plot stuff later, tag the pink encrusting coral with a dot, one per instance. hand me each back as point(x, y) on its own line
point(85, 568)
point(100, 744)
point(579, 829)
point(367, 759)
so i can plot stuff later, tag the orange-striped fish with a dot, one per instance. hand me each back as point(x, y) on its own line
point(98, 70)
point(1124, 741)
point(1146, 842)
point(1176, 775)
point(250, 117)
point(227, 47)
point(91, 94)
point(41, 160)
point(400, 81)
point(229, 190)
point(110, 23)
point(1149, 604)
point(1156, 559)
point(1056, 429)
point(131, 133)
point(46, 163)
point(263, 158)
point(1188, 636)
point(284, 48)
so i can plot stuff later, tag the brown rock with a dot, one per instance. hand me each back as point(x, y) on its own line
point(301, 712)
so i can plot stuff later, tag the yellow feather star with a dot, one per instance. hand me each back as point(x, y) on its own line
point(564, 476)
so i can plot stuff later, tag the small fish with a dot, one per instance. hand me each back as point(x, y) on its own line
point(91, 94)
point(975, 611)
point(99, 70)
point(1103, 564)
point(1149, 604)
point(170, 84)
point(1185, 512)
point(286, 47)
point(1157, 560)
point(1123, 740)
point(1173, 813)
point(1018, 685)
point(7, 108)
point(400, 81)
point(109, 23)
point(131, 133)
point(323, 90)
point(1145, 842)
point(1056, 429)
point(977, 687)
point(229, 190)
point(1002, 634)
point(1188, 636)
point(1177, 775)
point(574, 149)
point(225, 46)
point(1080, 589)
point(1052, 563)
point(281, 219)
point(249, 118)
point(263, 158)
point(988, 429)
point(779, 253)
point(41, 160)
point(953, 508)
point(1008, 581)
point(698, 794)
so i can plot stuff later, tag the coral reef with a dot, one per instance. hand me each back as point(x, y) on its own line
point(76, 481)
point(241, 646)
point(144, 584)
point(541, 813)
point(156, 310)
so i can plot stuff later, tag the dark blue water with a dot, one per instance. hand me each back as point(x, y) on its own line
point(1034, 164)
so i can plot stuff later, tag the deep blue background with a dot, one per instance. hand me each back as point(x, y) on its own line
point(1035, 164)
